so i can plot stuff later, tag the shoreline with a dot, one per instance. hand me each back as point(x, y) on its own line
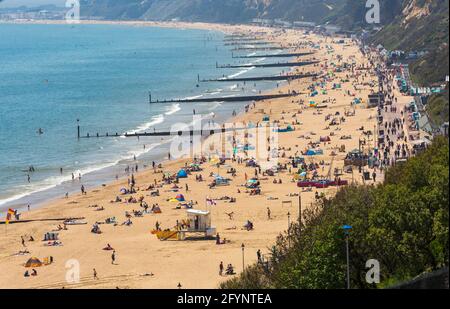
point(224, 28)
point(192, 263)
point(44, 195)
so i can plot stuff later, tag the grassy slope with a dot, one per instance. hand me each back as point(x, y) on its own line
point(438, 108)
point(403, 223)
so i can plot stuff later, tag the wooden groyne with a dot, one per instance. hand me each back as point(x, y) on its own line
point(235, 37)
point(167, 133)
point(260, 78)
point(284, 55)
point(40, 220)
point(256, 48)
point(229, 99)
point(267, 65)
point(244, 43)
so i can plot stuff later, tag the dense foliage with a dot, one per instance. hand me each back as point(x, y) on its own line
point(403, 223)
point(438, 108)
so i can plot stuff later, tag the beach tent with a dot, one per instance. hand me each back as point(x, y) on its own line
point(298, 160)
point(266, 118)
point(289, 128)
point(182, 174)
point(312, 152)
point(33, 262)
point(180, 198)
point(312, 104)
point(252, 183)
point(220, 181)
point(195, 167)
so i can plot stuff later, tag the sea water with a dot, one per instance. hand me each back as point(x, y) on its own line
point(53, 75)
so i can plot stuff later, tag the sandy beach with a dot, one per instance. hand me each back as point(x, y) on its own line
point(144, 261)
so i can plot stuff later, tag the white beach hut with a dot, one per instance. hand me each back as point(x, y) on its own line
point(200, 221)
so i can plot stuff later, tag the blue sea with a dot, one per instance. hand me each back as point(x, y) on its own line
point(52, 75)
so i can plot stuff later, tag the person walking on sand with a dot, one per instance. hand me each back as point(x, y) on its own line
point(268, 213)
point(113, 257)
point(95, 274)
point(83, 190)
point(221, 269)
point(23, 241)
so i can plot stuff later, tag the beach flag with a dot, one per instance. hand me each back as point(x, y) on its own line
point(210, 202)
point(8, 215)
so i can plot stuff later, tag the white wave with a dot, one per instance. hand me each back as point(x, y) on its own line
point(158, 119)
point(52, 182)
point(241, 72)
point(193, 98)
point(216, 105)
point(238, 74)
point(173, 109)
point(215, 91)
point(137, 153)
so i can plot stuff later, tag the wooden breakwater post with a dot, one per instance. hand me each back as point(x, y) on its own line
point(262, 78)
point(267, 65)
point(78, 128)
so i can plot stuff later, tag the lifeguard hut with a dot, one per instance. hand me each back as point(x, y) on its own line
point(200, 222)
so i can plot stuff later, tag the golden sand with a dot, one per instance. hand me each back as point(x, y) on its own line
point(194, 263)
